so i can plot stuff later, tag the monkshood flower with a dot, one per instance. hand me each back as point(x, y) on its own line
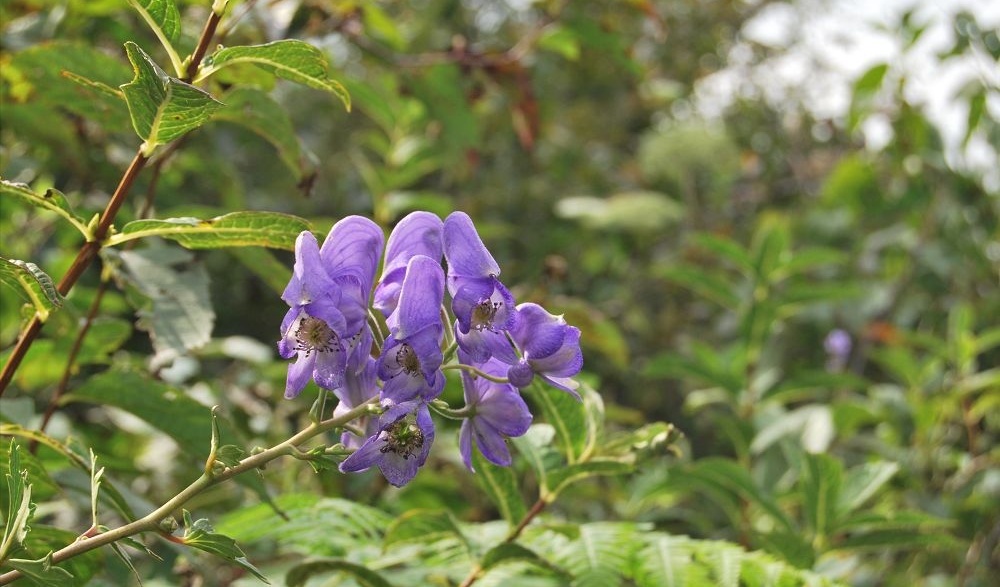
point(399, 447)
point(358, 387)
point(837, 345)
point(549, 348)
point(482, 305)
point(410, 364)
point(418, 233)
point(350, 255)
point(498, 412)
point(314, 325)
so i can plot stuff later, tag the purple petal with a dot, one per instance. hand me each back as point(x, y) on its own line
point(366, 456)
point(421, 296)
point(465, 444)
point(398, 470)
point(387, 291)
point(418, 233)
point(504, 410)
point(565, 362)
point(329, 368)
point(538, 333)
point(491, 444)
point(326, 309)
point(464, 250)
point(564, 383)
point(299, 373)
point(309, 279)
point(353, 248)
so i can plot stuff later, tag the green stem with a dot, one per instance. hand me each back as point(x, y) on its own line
point(475, 371)
point(152, 521)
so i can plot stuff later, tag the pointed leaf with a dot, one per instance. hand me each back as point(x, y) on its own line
point(52, 199)
point(821, 483)
point(509, 552)
point(567, 416)
point(19, 506)
point(238, 229)
point(32, 284)
point(162, 107)
point(863, 482)
point(423, 527)
point(563, 477)
point(300, 574)
point(163, 17)
point(42, 572)
point(500, 484)
point(202, 536)
point(290, 59)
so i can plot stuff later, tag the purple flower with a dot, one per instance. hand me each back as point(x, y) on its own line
point(419, 233)
point(410, 364)
point(480, 302)
point(837, 345)
point(549, 348)
point(357, 388)
point(314, 325)
point(400, 446)
point(498, 412)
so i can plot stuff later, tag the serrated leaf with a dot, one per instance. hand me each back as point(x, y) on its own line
point(237, 229)
point(663, 561)
point(42, 572)
point(290, 59)
point(500, 484)
point(509, 552)
point(52, 199)
point(164, 19)
point(162, 107)
point(724, 562)
point(258, 112)
point(601, 555)
point(202, 536)
point(31, 284)
point(568, 418)
point(178, 315)
point(298, 575)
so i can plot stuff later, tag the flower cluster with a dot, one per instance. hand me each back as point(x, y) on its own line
point(342, 346)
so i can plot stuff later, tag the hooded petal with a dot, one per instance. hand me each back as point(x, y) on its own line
point(538, 333)
point(309, 278)
point(369, 454)
point(421, 296)
point(492, 444)
point(353, 248)
point(503, 408)
point(418, 233)
point(566, 361)
point(465, 252)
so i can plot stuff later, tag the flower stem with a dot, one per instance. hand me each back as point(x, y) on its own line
point(477, 372)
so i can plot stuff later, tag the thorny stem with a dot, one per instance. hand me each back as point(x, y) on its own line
point(151, 521)
point(90, 248)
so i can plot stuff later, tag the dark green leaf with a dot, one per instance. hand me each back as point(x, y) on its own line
point(509, 552)
point(255, 110)
point(705, 284)
point(500, 484)
point(237, 229)
point(862, 482)
point(290, 59)
point(32, 284)
point(52, 200)
point(299, 574)
point(162, 107)
point(563, 477)
point(48, 539)
point(567, 416)
point(905, 539)
point(164, 19)
point(726, 248)
point(536, 447)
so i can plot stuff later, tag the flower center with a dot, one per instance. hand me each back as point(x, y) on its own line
point(403, 438)
point(408, 360)
point(314, 334)
point(483, 314)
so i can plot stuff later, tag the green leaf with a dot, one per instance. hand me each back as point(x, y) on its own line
point(567, 416)
point(201, 535)
point(290, 59)
point(882, 540)
point(726, 248)
point(560, 40)
point(706, 284)
point(237, 229)
point(258, 112)
point(724, 562)
point(509, 552)
point(423, 527)
point(163, 17)
point(601, 555)
point(45, 539)
point(664, 561)
point(821, 484)
point(299, 574)
point(563, 477)
point(42, 572)
point(262, 263)
point(162, 107)
point(722, 474)
point(862, 482)
point(53, 200)
point(536, 447)
point(500, 484)
point(32, 284)
point(177, 310)
point(20, 508)
point(638, 211)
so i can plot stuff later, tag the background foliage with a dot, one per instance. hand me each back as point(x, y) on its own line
point(706, 257)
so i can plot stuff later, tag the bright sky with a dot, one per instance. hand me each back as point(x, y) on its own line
point(834, 41)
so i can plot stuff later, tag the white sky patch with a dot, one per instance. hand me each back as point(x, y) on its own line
point(823, 46)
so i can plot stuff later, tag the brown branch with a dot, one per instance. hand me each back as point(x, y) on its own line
point(477, 571)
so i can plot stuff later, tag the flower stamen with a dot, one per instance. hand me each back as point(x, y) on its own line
point(313, 334)
point(403, 438)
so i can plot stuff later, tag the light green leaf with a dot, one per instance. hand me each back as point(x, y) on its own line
point(726, 248)
point(53, 200)
point(20, 509)
point(567, 416)
point(663, 561)
point(290, 59)
point(601, 555)
point(31, 284)
point(177, 309)
point(200, 534)
point(258, 112)
point(561, 40)
point(500, 484)
point(162, 107)
point(536, 447)
point(862, 482)
point(706, 284)
point(163, 17)
point(423, 527)
point(563, 477)
point(724, 561)
point(238, 229)
point(639, 211)
point(300, 574)
point(509, 552)
point(821, 482)
point(42, 572)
